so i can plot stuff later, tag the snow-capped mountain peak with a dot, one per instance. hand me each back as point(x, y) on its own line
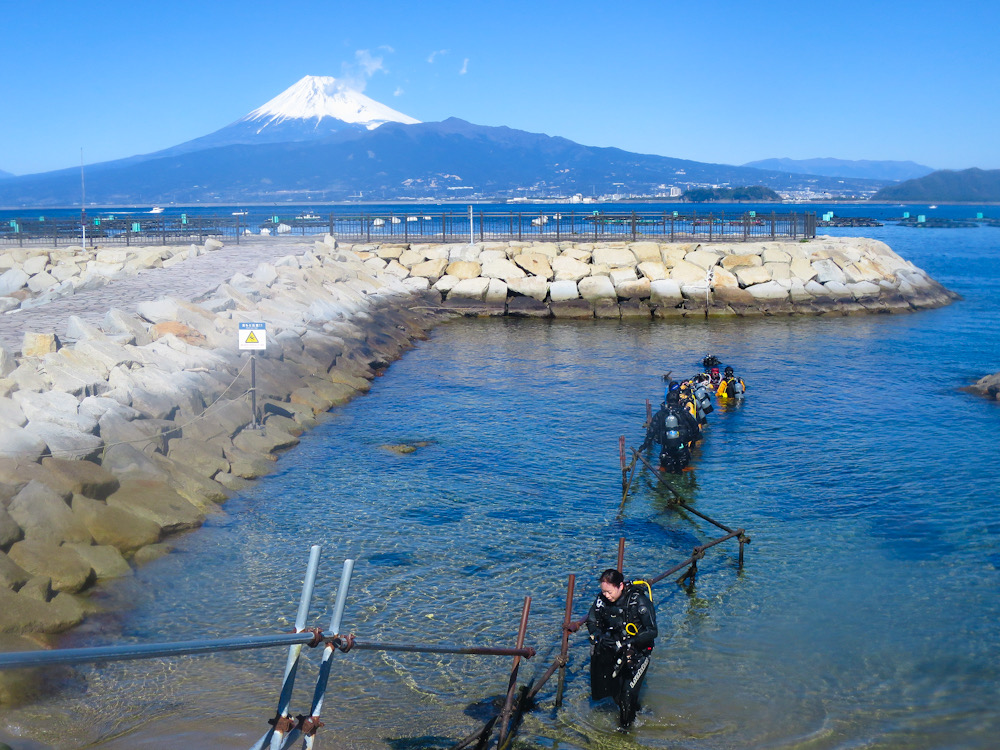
point(318, 97)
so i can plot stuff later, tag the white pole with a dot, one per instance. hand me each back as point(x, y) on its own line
point(83, 204)
point(472, 236)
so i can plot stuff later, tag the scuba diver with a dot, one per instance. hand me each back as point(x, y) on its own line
point(731, 386)
point(622, 626)
point(702, 397)
point(711, 364)
point(673, 428)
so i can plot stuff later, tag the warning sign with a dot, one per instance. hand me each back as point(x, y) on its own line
point(253, 336)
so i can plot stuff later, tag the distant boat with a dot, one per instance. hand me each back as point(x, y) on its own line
point(412, 218)
point(307, 217)
point(378, 223)
point(156, 210)
point(240, 213)
point(932, 207)
point(396, 219)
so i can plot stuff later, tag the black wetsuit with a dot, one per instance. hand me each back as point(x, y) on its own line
point(674, 454)
point(619, 659)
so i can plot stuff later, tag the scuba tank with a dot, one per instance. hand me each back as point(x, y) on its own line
point(736, 387)
point(704, 400)
point(671, 431)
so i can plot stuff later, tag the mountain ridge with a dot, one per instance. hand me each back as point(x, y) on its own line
point(295, 148)
point(858, 168)
point(946, 186)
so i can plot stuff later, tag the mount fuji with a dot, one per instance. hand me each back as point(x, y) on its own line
point(321, 141)
point(311, 109)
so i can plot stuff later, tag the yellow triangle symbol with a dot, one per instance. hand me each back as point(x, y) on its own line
point(251, 339)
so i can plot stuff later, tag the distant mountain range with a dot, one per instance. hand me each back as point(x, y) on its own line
point(4, 175)
point(322, 141)
point(966, 186)
point(889, 171)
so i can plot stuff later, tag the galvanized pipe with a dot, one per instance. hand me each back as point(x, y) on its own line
point(274, 735)
point(324, 671)
point(25, 659)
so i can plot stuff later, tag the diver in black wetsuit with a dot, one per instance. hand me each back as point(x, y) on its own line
point(622, 626)
point(673, 427)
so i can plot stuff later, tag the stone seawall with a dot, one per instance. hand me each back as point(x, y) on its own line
point(118, 433)
point(835, 275)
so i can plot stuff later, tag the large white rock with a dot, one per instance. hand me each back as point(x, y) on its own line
point(731, 262)
point(769, 290)
point(548, 249)
point(665, 291)
point(778, 270)
point(496, 292)
point(530, 286)
point(159, 310)
point(704, 258)
point(429, 269)
point(65, 442)
point(41, 282)
point(614, 257)
point(536, 264)
point(635, 289)
point(446, 283)
point(749, 275)
point(827, 270)
point(569, 269)
point(621, 275)
point(688, 273)
point(16, 442)
point(801, 268)
point(464, 269)
point(837, 290)
point(57, 407)
point(594, 288)
point(417, 283)
point(35, 264)
point(862, 289)
point(654, 270)
point(11, 414)
point(775, 255)
point(410, 258)
point(645, 252)
point(501, 269)
point(721, 278)
point(474, 289)
point(562, 290)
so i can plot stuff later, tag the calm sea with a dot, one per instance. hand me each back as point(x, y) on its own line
point(867, 615)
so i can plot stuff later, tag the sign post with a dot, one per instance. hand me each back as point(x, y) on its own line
point(253, 337)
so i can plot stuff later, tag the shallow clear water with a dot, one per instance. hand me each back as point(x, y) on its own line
point(867, 614)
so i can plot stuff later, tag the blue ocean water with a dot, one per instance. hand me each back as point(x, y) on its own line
point(867, 614)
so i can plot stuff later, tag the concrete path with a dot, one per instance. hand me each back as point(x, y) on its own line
point(187, 280)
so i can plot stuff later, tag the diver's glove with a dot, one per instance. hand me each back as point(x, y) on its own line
point(610, 642)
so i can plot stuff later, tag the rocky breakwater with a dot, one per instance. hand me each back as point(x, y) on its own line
point(143, 426)
point(826, 275)
point(33, 276)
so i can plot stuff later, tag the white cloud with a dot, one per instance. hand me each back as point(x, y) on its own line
point(465, 67)
point(365, 65)
point(434, 54)
point(398, 91)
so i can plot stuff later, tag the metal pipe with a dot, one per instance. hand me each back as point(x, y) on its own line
point(276, 733)
point(23, 659)
point(699, 552)
point(509, 702)
point(621, 554)
point(428, 648)
point(564, 645)
point(324, 671)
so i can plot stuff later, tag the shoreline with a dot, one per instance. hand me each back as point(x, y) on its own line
point(139, 429)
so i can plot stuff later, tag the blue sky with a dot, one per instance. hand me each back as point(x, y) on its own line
point(723, 82)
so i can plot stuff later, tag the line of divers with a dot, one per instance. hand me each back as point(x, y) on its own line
point(622, 620)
